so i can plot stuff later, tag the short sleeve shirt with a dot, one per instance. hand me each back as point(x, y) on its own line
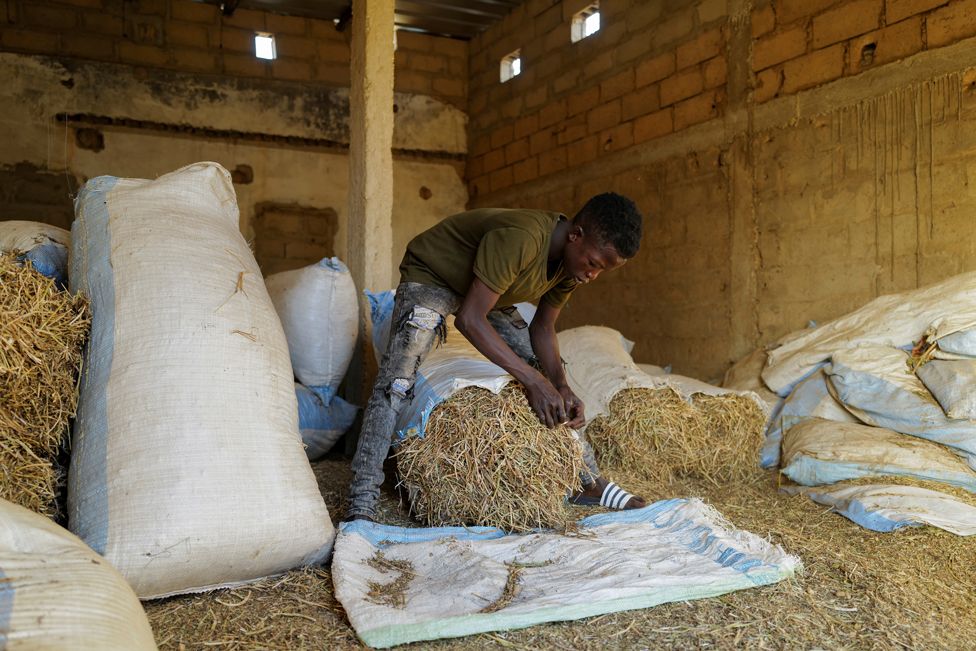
point(507, 249)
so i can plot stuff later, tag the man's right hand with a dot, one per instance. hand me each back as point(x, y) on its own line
point(546, 402)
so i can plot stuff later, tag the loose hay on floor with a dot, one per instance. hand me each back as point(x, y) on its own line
point(42, 331)
point(486, 460)
point(911, 589)
point(656, 434)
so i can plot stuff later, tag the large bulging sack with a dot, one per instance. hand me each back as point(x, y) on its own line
point(44, 245)
point(56, 593)
point(319, 311)
point(952, 383)
point(187, 468)
point(323, 418)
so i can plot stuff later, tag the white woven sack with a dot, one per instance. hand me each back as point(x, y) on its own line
point(56, 593)
point(187, 468)
point(319, 312)
point(952, 383)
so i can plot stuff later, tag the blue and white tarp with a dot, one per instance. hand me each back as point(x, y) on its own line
point(323, 418)
point(818, 451)
point(673, 550)
point(885, 507)
point(45, 246)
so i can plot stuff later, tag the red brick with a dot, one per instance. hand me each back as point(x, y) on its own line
point(291, 69)
point(715, 72)
point(237, 40)
point(640, 102)
point(584, 100)
point(49, 17)
point(412, 82)
point(779, 47)
point(325, 29)
point(526, 125)
point(583, 151)
point(495, 159)
point(526, 170)
point(636, 46)
point(475, 166)
point(572, 129)
point(100, 22)
point(952, 23)
point(448, 87)
point(813, 69)
point(278, 24)
point(244, 65)
point(88, 46)
point(654, 69)
point(22, 39)
point(789, 10)
point(142, 54)
point(890, 44)
point(896, 10)
point(768, 84)
point(332, 74)
point(653, 126)
point(552, 113)
point(516, 151)
point(552, 161)
point(848, 20)
point(480, 145)
point(502, 136)
point(698, 109)
point(334, 52)
point(246, 19)
point(617, 85)
point(603, 117)
point(676, 26)
point(763, 21)
point(188, 34)
point(618, 137)
point(681, 85)
point(537, 96)
point(201, 60)
point(428, 62)
point(452, 47)
point(196, 12)
point(566, 81)
point(501, 179)
point(599, 64)
point(705, 46)
point(297, 47)
point(541, 141)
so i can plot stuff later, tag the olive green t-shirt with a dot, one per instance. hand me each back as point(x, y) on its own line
point(507, 249)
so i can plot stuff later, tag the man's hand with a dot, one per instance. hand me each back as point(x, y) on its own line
point(573, 406)
point(547, 403)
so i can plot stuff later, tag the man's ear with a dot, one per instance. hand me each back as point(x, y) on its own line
point(575, 233)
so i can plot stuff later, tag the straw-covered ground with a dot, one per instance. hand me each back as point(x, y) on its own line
point(913, 589)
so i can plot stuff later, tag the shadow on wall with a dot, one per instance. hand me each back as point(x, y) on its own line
point(290, 236)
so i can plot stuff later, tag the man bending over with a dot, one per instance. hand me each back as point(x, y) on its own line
point(477, 265)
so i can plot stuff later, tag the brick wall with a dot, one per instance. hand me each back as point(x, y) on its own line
point(195, 37)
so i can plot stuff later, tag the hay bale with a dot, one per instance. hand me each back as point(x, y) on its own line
point(487, 460)
point(42, 331)
point(658, 435)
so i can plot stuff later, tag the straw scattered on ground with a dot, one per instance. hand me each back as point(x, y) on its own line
point(913, 588)
point(487, 460)
point(391, 592)
point(658, 435)
point(42, 331)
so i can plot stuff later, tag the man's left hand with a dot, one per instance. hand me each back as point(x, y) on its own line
point(574, 407)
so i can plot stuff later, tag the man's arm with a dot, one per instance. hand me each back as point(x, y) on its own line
point(545, 345)
point(471, 321)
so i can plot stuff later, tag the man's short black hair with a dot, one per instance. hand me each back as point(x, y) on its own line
point(614, 220)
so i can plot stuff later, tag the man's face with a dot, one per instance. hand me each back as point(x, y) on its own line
point(586, 259)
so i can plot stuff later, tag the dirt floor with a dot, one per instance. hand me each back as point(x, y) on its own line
point(912, 589)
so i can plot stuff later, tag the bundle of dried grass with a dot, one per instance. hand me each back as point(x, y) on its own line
point(42, 331)
point(487, 460)
point(658, 435)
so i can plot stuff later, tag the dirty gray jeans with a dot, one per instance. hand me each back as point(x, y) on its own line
point(417, 322)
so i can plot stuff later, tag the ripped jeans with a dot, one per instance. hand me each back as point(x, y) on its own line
point(417, 322)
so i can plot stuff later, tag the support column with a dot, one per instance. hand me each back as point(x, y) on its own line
point(370, 223)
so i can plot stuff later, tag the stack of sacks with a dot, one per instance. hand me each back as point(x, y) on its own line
point(319, 312)
point(56, 593)
point(665, 426)
point(45, 246)
point(854, 391)
point(187, 470)
point(470, 448)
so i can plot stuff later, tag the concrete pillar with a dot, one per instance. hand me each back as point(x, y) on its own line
point(370, 231)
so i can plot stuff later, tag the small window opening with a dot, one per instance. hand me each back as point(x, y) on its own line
point(264, 46)
point(586, 22)
point(511, 65)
